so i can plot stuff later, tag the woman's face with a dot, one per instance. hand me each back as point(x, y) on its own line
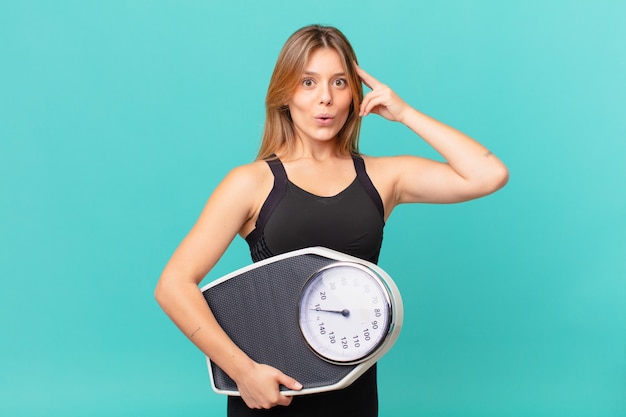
point(321, 103)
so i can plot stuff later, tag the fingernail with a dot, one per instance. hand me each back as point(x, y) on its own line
point(298, 385)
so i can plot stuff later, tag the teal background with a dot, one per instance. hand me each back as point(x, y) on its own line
point(118, 118)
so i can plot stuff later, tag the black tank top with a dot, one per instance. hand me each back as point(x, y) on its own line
point(350, 222)
point(291, 218)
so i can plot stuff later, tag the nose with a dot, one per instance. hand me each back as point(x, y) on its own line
point(326, 97)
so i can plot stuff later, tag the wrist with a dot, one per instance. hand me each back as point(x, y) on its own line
point(408, 116)
point(241, 367)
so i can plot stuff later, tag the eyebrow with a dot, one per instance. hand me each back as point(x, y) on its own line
point(338, 74)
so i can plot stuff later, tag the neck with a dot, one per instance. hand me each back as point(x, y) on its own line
point(318, 150)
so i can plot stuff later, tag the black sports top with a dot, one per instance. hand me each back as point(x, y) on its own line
point(350, 222)
point(291, 218)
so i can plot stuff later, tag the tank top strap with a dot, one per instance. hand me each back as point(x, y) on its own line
point(366, 182)
point(280, 175)
point(276, 194)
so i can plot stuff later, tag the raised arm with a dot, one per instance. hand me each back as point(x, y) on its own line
point(230, 206)
point(470, 170)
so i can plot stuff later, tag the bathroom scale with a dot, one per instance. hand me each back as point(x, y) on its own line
point(320, 316)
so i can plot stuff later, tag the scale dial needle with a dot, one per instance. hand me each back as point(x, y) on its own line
point(345, 312)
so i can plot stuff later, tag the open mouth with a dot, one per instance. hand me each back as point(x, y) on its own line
point(324, 117)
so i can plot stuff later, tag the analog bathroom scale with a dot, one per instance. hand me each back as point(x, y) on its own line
point(318, 315)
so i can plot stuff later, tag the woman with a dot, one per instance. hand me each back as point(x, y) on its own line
point(310, 187)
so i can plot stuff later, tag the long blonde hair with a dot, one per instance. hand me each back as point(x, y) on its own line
point(279, 131)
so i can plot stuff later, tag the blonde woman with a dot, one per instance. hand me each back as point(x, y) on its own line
point(310, 186)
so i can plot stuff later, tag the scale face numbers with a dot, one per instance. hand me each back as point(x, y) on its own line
point(344, 313)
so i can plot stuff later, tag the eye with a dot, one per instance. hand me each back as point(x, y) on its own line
point(340, 83)
point(308, 83)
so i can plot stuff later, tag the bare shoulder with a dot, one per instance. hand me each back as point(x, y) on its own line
point(250, 176)
point(247, 185)
point(244, 190)
point(392, 160)
point(388, 172)
point(388, 168)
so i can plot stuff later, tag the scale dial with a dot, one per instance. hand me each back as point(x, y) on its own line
point(344, 313)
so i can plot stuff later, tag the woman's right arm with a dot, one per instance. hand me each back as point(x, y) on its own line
point(232, 204)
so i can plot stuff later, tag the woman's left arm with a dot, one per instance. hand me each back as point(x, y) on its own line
point(470, 170)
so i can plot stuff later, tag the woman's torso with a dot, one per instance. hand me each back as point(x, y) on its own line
point(351, 222)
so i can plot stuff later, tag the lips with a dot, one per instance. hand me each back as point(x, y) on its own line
point(324, 116)
point(324, 119)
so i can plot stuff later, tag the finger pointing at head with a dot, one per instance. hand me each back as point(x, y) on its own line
point(367, 79)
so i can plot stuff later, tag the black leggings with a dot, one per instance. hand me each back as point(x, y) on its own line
point(360, 399)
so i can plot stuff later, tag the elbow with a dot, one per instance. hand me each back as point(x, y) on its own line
point(500, 177)
point(161, 293)
point(158, 293)
point(170, 289)
point(491, 181)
